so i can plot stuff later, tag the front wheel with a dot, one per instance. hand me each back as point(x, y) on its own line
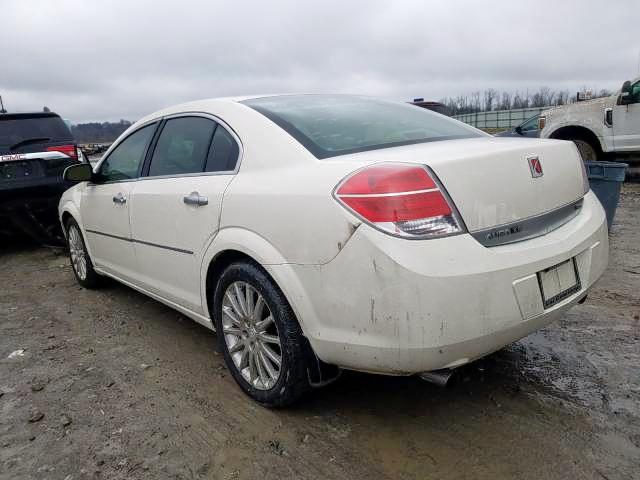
point(587, 151)
point(260, 337)
point(80, 260)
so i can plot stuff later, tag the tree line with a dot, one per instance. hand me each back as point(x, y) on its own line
point(491, 99)
point(96, 132)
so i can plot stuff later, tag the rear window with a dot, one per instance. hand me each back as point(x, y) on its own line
point(17, 128)
point(332, 125)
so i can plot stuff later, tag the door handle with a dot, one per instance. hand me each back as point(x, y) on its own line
point(194, 198)
point(120, 198)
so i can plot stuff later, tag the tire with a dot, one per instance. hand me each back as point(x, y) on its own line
point(80, 261)
point(257, 329)
point(588, 152)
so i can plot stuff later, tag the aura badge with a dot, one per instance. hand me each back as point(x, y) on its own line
point(535, 166)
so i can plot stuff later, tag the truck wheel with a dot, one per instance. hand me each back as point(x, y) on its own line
point(587, 151)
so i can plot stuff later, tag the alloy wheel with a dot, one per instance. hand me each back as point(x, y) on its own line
point(251, 335)
point(78, 255)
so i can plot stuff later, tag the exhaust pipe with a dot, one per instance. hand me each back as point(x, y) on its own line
point(437, 377)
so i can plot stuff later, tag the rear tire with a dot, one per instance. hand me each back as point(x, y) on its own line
point(79, 256)
point(259, 335)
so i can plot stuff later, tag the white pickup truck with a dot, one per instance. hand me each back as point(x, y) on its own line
point(606, 127)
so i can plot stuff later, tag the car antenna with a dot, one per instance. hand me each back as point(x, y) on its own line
point(2, 109)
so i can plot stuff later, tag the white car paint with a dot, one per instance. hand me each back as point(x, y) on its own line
point(366, 300)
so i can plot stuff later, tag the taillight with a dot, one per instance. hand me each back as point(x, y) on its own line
point(400, 199)
point(68, 150)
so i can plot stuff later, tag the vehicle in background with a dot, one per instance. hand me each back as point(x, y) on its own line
point(600, 128)
point(527, 129)
point(433, 106)
point(35, 149)
point(321, 232)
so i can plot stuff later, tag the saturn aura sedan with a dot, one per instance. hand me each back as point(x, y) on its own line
point(317, 233)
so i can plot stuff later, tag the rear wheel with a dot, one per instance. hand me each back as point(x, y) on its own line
point(80, 261)
point(261, 339)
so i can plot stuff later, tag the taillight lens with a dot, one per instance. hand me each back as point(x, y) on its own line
point(68, 150)
point(400, 199)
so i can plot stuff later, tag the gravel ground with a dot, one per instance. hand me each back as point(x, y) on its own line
point(111, 384)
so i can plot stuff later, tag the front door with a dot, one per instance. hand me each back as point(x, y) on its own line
point(106, 205)
point(176, 205)
point(626, 122)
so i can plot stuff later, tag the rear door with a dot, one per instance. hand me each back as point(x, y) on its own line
point(105, 205)
point(176, 206)
point(626, 122)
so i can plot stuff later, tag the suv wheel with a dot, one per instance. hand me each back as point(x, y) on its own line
point(260, 337)
point(80, 261)
point(587, 151)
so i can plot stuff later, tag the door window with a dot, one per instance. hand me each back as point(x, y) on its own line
point(224, 152)
point(529, 125)
point(182, 146)
point(635, 92)
point(124, 161)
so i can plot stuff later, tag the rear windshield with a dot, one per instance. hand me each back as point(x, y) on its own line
point(332, 125)
point(19, 127)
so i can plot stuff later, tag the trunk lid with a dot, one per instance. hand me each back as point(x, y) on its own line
point(490, 179)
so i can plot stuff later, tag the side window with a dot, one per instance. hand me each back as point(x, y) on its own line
point(635, 92)
point(529, 125)
point(124, 161)
point(224, 152)
point(182, 146)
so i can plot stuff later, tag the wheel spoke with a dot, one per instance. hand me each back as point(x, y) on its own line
point(262, 325)
point(258, 309)
point(232, 331)
point(239, 345)
point(252, 366)
point(242, 302)
point(248, 297)
point(261, 369)
point(244, 359)
point(273, 375)
point(265, 337)
point(229, 312)
point(233, 300)
point(273, 356)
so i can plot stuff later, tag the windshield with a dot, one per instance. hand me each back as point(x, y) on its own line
point(331, 125)
point(18, 128)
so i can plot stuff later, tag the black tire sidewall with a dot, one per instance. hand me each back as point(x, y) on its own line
point(293, 380)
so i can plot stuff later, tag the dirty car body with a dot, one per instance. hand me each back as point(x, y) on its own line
point(35, 148)
point(402, 241)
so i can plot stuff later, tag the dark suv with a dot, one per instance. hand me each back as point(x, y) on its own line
point(35, 148)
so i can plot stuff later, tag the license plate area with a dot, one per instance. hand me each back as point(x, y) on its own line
point(559, 282)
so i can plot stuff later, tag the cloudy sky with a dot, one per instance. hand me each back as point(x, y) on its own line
point(107, 60)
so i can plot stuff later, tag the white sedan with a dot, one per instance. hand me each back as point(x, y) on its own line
point(317, 233)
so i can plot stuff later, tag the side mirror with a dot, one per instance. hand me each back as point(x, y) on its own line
point(518, 130)
point(78, 173)
point(625, 94)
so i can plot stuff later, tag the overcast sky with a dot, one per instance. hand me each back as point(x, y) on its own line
point(107, 60)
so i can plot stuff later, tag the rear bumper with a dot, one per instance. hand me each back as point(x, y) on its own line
point(397, 306)
point(31, 207)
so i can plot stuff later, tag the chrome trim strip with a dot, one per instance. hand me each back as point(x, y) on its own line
point(394, 194)
point(528, 228)
point(142, 242)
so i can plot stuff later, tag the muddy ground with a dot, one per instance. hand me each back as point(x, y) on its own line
point(114, 385)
